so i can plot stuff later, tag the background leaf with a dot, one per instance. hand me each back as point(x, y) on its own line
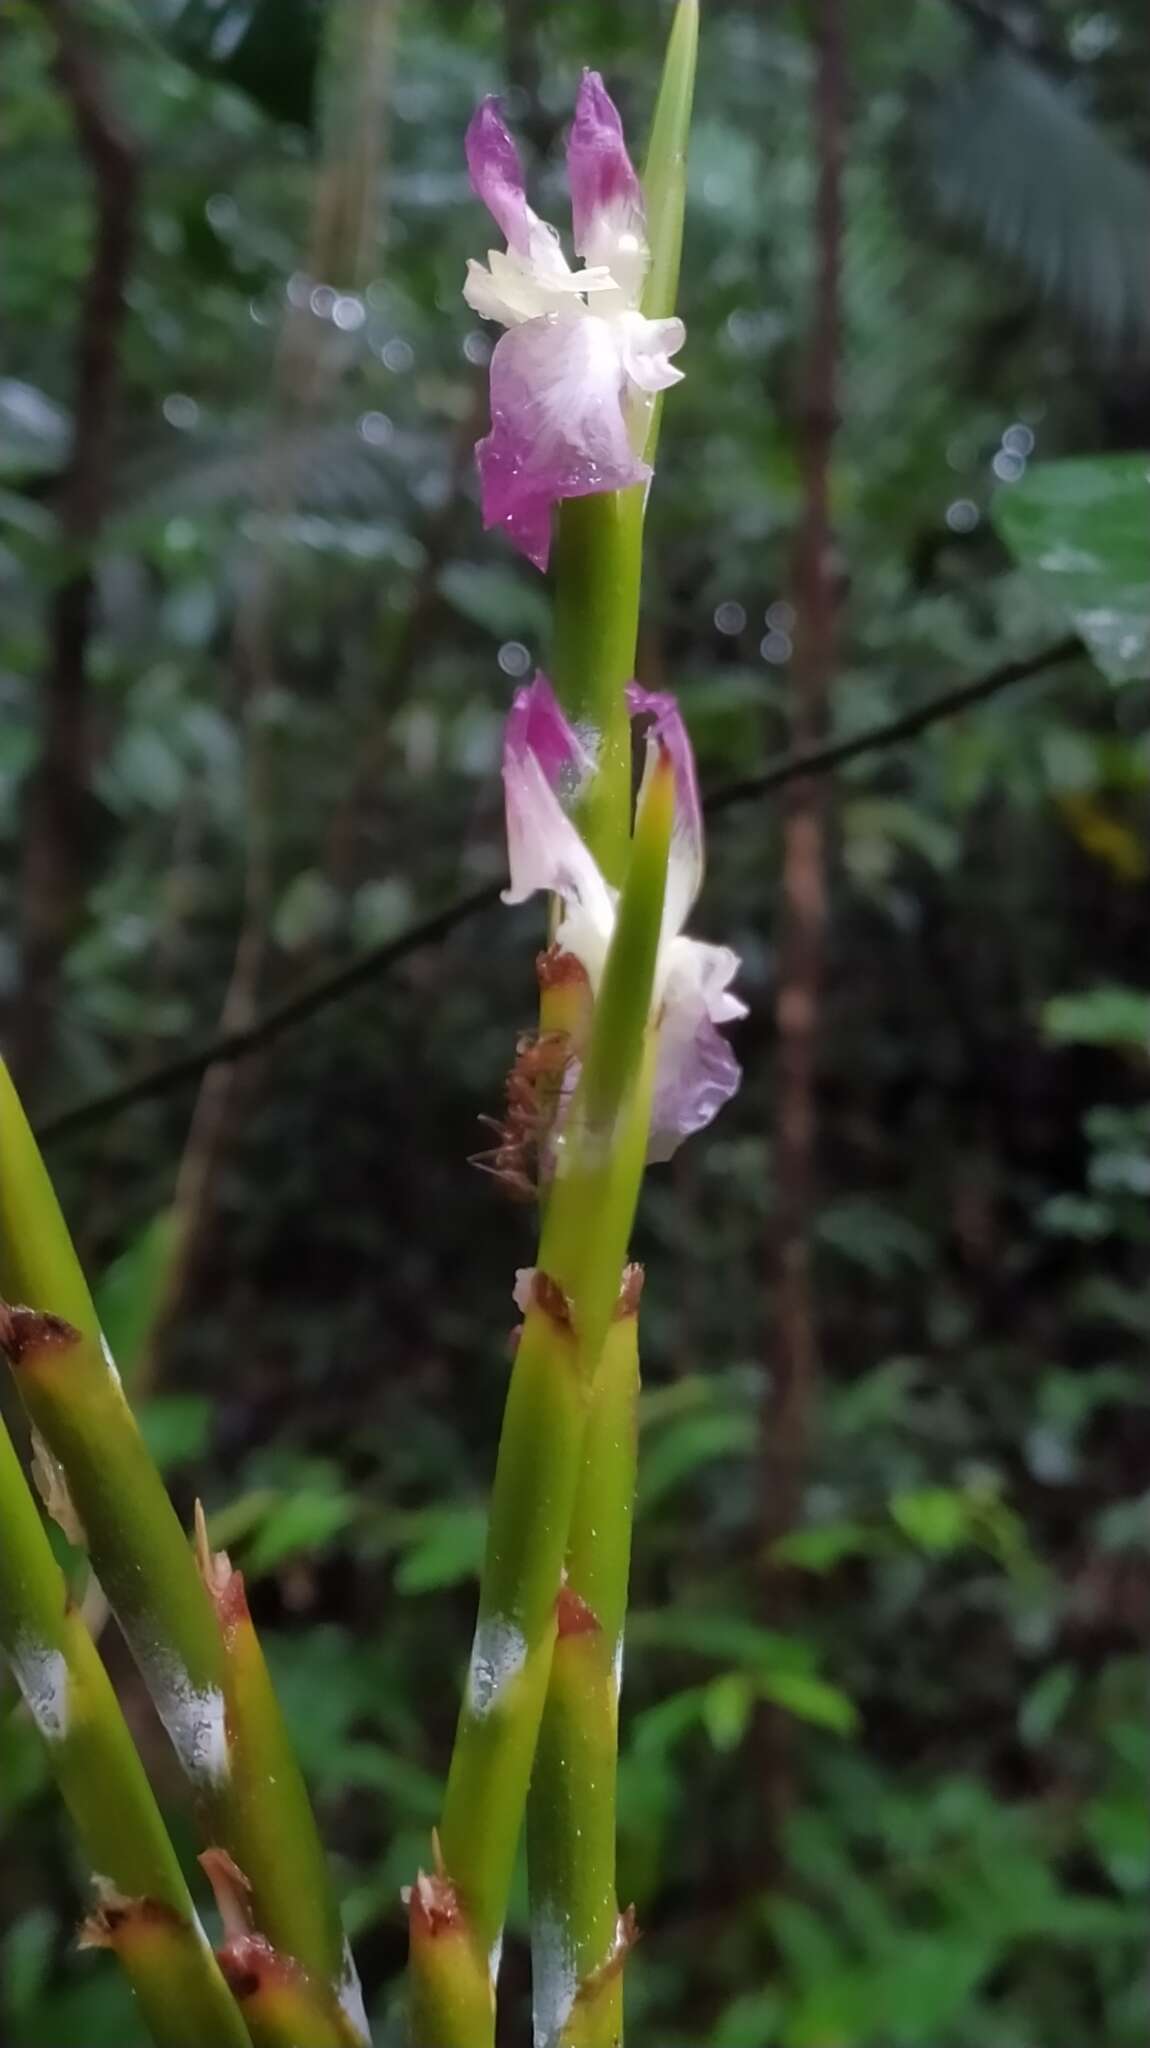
point(1079, 528)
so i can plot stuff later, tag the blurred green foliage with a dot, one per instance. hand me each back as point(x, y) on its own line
point(962, 1859)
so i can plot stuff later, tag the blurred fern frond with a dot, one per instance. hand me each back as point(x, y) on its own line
point(333, 470)
point(1015, 160)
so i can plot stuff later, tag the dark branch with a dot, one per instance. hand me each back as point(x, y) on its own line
point(429, 931)
point(891, 731)
point(236, 1045)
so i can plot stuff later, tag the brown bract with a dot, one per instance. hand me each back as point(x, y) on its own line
point(630, 1291)
point(224, 1584)
point(626, 1935)
point(115, 1917)
point(25, 1333)
point(547, 1295)
point(251, 1966)
point(433, 1906)
point(231, 1890)
point(573, 1617)
point(557, 969)
point(533, 1090)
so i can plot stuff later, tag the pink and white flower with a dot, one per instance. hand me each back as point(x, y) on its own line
point(546, 764)
point(573, 379)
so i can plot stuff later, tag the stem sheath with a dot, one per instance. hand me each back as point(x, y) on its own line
point(578, 1941)
point(573, 1295)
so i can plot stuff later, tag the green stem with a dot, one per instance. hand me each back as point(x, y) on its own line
point(282, 2004)
point(266, 1779)
point(69, 1695)
point(457, 1916)
point(38, 1264)
point(532, 1500)
point(598, 560)
point(256, 1809)
point(573, 1296)
point(579, 1943)
point(146, 1567)
point(157, 1950)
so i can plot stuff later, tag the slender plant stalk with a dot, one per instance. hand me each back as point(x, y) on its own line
point(156, 1949)
point(457, 1914)
point(153, 1925)
point(597, 562)
point(283, 2004)
point(599, 551)
point(224, 1724)
point(579, 1940)
point(559, 1390)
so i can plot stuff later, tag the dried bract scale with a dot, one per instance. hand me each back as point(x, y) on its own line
point(627, 1933)
point(557, 969)
point(252, 1967)
point(113, 1915)
point(433, 1905)
point(215, 1566)
point(231, 1890)
point(534, 1090)
point(535, 1289)
point(630, 1292)
point(223, 1583)
point(25, 1334)
point(550, 1298)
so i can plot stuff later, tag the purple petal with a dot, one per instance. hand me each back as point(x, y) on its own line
point(599, 170)
point(557, 426)
point(544, 849)
point(685, 866)
point(537, 722)
point(697, 1071)
point(496, 173)
point(697, 1074)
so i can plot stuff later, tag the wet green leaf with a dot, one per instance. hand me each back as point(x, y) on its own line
point(811, 1699)
point(1111, 1016)
point(1082, 530)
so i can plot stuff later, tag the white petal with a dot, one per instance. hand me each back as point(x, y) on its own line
point(512, 290)
point(545, 852)
point(617, 244)
point(708, 969)
point(646, 348)
point(697, 1071)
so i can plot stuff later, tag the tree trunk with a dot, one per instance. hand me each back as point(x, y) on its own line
point(793, 1341)
point(58, 808)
